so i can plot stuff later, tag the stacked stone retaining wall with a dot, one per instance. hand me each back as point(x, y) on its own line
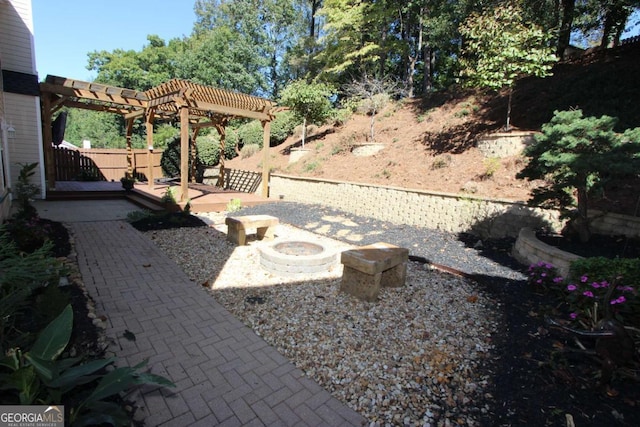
point(453, 213)
point(441, 211)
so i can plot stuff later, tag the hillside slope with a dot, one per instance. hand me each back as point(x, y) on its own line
point(430, 144)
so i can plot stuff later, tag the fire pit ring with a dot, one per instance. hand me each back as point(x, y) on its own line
point(296, 257)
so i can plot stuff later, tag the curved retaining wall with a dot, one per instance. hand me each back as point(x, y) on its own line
point(529, 250)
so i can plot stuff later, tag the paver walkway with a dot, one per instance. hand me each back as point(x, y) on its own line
point(225, 373)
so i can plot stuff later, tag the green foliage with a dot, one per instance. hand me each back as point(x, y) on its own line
point(170, 160)
point(251, 133)
point(25, 191)
point(441, 162)
point(234, 205)
point(282, 127)
point(577, 154)
point(500, 47)
point(208, 147)
point(101, 129)
point(22, 274)
point(491, 166)
point(137, 215)
point(127, 182)
point(164, 134)
point(153, 65)
point(625, 271)
point(168, 197)
point(41, 375)
point(249, 150)
point(589, 281)
point(309, 103)
point(311, 166)
point(224, 58)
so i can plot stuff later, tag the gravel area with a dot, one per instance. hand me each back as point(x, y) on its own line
point(420, 355)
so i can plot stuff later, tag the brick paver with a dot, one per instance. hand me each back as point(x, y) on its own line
point(218, 364)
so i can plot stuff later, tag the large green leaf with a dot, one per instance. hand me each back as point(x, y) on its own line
point(153, 379)
point(26, 382)
point(78, 374)
point(55, 337)
point(46, 369)
point(113, 383)
point(102, 413)
point(10, 361)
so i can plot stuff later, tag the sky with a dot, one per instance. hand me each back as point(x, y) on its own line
point(67, 30)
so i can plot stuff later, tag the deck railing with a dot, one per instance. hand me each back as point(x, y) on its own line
point(105, 164)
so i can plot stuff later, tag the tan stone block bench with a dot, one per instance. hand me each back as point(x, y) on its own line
point(238, 226)
point(368, 268)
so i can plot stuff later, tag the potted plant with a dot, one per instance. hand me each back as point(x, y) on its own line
point(127, 182)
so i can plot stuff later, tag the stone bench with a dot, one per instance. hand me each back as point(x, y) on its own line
point(238, 226)
point(368, 268)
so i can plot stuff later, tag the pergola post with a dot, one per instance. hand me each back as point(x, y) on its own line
point(149, 115)
point(184, 152)
point(129, 150)
point(193, 155)
point(222, 130)
point(47, 139)
point(266, 138)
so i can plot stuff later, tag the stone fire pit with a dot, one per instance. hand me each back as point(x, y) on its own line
point(296, 257)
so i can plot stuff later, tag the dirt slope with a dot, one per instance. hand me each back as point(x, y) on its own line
point(430, 144)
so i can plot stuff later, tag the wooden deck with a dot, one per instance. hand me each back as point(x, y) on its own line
point(201, 198)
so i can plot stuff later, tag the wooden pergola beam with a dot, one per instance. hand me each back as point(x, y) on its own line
point(196, 106)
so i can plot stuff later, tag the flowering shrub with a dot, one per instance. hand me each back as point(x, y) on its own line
point(588, 300)
point(543, 275)
point(586, 294)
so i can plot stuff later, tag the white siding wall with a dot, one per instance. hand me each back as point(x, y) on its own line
point(24, 116)
point(22, 112)
point(16, 36)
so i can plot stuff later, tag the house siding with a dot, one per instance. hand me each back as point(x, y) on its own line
point(16, 36)
point(19, 110)
point(24, 148)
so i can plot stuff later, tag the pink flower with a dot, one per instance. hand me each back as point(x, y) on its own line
point(573, 315)
point(588, 294)
point(558, 280)
point(572, 287)
point(595, 285)
point(584, 279)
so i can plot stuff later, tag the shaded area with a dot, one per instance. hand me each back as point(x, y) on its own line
point(601, 83)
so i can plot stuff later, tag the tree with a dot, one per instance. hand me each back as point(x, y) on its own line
point(309, 102)
point(222, 58)
point(130, 69)
point(597, 22)
point(575, 155)
point(269, 28)
point(500, 47)
point(374, 94)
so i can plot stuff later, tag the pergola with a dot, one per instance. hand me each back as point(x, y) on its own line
point(195, 106)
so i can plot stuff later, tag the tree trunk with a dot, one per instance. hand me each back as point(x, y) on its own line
point(315, 5)
point(414, 58)
point(372, 123)
point(564, 35)
point(507, 128)
point(581, 223)
point(427, 83)
point(304, 130)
